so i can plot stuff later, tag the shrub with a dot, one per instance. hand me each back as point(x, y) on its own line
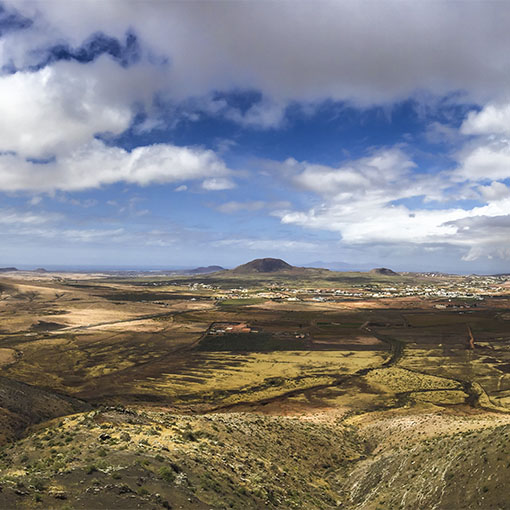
point(167, 474)
point(142, 491)
point(125, 436)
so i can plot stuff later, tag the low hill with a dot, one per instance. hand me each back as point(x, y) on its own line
point(7, 269)
point(266, 265)
point(383, 271)
point(206, 270)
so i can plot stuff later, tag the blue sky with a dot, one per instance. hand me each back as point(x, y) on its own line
point(165, 134)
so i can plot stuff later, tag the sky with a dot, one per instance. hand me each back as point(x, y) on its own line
point(351, 134)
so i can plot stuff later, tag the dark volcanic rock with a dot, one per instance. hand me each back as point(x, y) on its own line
point(384, 271)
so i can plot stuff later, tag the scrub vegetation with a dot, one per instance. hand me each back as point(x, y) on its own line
point(293, 389)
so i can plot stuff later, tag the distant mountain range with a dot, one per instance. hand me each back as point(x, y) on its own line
point(205, 270)
point(262, 265)
point(271, 265)
point(339, 266)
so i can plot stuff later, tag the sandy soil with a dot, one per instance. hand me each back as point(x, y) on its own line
point(7, 356)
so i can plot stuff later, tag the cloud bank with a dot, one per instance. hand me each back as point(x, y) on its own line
point(76, 78)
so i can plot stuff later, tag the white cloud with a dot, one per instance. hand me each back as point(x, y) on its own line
point(218, 183)
point(487, 156)
point(263, 114)
point(354, 177)
point(495, 191)
point(264, 245)
point(63, 106)
point(485, 160)
point(96, 164)
point(360, 202)
point(17, 218)
point(364, 51)
point(91, 235)
point(492, 119)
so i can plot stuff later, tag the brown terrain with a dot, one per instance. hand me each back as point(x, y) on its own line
point(263, 389)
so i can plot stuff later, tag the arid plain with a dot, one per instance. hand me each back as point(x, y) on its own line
point(285, 388)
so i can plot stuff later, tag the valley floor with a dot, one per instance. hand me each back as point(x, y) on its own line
point(115, 394)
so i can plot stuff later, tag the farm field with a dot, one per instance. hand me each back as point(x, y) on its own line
point(180, 392)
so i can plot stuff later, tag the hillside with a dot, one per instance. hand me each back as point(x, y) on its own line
point(124, 458)
point(439, 463)
point(265, 265)
point(22, 405)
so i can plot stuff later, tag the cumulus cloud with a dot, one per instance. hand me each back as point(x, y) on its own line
point(51, 118)
point(487, 155)
point(96, 164)
point(492, 119)
point(381, 168)
point(485, 160)
point(495, 191)
point(378, 200)
point(484, 235)
point(362, 51)
point(65, 105)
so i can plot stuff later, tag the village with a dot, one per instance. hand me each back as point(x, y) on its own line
point(444, 287)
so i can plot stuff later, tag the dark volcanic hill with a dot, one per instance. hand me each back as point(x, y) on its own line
point(266, 265)
point(7, 269)
point(383, 271)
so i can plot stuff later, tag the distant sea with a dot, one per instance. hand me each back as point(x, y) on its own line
point(92, 269)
